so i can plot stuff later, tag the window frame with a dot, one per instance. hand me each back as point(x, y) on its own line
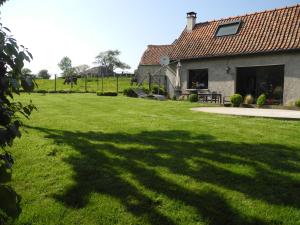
point(189, 73)
point(238, 22)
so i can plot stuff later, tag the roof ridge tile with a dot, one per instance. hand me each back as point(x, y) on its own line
point(250, 14)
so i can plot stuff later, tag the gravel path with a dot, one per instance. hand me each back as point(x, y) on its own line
point(271, 113)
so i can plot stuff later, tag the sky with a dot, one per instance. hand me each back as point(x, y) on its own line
point(81, 29)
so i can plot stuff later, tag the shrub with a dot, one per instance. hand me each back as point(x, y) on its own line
point(236, 100)
point(107, 93)
point(297, 103)
point(248, 99)
point(261, 100)
point(174, 98)
point(146, 90)
point(129, 92)
point(155, 90)
point(62, 91)
point(193, 98)
point(41, 91)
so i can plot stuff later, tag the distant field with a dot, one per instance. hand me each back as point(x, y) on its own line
point(109, 84)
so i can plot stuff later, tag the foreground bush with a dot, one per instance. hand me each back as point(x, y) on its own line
point(261, 100)
point(297, 103)
point(12, 79)
point(193, 98)
point(236, 100)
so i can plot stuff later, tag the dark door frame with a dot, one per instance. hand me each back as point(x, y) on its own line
point(267, 65)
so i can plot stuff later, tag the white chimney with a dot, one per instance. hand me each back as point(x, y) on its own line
point(191, 21)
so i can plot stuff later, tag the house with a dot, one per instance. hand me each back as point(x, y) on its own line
point(150, 62)
point(97, 71)
point(250, 54)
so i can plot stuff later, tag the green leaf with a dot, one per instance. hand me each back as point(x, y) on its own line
point(24, 56)
point(30, 55)
point(10, 50)
point(5, 28)
point(19, 63)
point(15, 84)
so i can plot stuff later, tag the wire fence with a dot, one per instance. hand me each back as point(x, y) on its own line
point(84, 84)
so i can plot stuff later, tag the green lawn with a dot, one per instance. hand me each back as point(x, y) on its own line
point(109, 84)
point(85, 159)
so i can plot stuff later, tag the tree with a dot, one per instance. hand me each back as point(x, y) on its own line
point(12, 58)
point(44, 74)
point(65, 65)
point(2, 2)
point(81, 68)
point(110, 60)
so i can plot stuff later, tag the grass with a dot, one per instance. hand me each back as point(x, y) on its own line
point(109, 84)
point(85, 159)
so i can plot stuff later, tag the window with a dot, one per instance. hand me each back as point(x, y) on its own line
point(198, 79)
point(261, 79)
point(228, 29)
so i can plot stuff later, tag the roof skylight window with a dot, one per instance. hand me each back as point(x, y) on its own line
point(227, 29)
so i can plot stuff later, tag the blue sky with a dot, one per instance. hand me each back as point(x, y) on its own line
point(81, 29)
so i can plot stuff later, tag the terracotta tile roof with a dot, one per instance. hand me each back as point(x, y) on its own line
point(153, 53)
point(263, 32)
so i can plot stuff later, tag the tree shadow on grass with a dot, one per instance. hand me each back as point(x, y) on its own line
point(105, 156)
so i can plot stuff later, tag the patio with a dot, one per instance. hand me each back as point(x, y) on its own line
point(269, 113)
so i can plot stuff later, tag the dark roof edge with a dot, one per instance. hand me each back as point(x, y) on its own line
point(240, 54)
point(158, 46)
point(149, 64)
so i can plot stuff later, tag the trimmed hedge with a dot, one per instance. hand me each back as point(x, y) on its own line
point(107, 93)
point(193, 98)
point(156, 89)
point(129, 92)
point(261, 100)
point(41, 91)
point(236, 100)
point(297, 103)
point(248, 99)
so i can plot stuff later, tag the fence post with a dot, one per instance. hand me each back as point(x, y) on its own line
point(102, 82)
point(85, 83)
point(55, 83)
point(158, 84)
point(150, 81)
point(97, 82)
point(117, 84)
point(166, 84)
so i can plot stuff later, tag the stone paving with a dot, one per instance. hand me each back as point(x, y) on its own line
point(270, 113)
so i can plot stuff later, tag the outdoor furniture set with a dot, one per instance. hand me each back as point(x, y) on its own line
point(204, 95)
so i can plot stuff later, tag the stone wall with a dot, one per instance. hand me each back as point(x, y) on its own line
point(224, 81)
point(156, 71)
